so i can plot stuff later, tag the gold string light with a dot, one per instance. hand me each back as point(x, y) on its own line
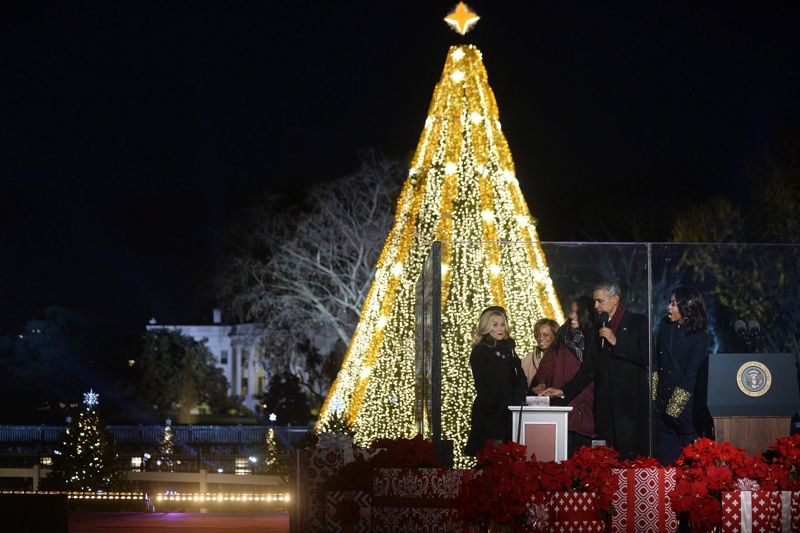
point(461, 190)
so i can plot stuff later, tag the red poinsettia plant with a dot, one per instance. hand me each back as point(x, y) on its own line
point(706, 468)
point(588, 470)
point(591, 471)
point(782, 459)
point(640, 462)
point(500, 493)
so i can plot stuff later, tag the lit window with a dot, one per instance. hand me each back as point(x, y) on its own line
point(242, 466)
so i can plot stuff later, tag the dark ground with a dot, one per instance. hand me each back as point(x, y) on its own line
point(93, 522)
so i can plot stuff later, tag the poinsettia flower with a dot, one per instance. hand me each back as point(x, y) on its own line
point(641, 462)
point(718, 477)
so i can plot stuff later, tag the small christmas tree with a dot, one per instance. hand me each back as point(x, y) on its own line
point(166, 447)
point(86, 459)
point(272, 454)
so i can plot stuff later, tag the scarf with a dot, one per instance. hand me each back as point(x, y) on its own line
point(617, 318)
point(575, 342)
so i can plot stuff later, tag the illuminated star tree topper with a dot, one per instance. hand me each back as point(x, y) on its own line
point(462, 19)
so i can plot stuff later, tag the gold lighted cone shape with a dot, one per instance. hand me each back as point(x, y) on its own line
point(462, 190)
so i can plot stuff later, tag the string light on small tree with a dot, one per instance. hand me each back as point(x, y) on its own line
point(167, 447)
point(85, 459)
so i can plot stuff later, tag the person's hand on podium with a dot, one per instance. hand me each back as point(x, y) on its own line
point(539, 389)
point(552, 392)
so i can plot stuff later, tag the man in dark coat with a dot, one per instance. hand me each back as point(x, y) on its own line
point(617, 357)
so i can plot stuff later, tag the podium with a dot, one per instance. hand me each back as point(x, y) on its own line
point(543, 430)
point(752, 397)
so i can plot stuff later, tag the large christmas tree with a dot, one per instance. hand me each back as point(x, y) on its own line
point(461, 188)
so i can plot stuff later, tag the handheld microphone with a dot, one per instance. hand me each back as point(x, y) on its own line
point(603, 321)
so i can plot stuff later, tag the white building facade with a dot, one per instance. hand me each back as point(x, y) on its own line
point(237, 352)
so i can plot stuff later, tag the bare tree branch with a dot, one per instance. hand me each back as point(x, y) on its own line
point(303, 271)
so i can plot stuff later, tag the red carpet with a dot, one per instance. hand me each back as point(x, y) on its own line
point(178, 522)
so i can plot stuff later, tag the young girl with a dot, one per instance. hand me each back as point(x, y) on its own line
point(499, 380)
point(561, 363)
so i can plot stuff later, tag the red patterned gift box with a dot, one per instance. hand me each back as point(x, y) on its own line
point(570, 512)
point(641, 501)
point(760, 510)
point(308, 470)
point(348, 511)
point(417, 499)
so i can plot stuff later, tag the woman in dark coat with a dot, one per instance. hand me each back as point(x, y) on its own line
point(499, 380)
point(681, 355)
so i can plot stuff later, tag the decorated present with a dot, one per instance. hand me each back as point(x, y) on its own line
point(760, 510)
point(570, 511)
point(417, 499)
point(348, 511)
point(575, 526)
point(790, 506)
point(308, 471)
point(641, 500)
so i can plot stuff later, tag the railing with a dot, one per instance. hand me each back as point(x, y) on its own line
point(182, 481)
point(239, 464)
point(288, 436)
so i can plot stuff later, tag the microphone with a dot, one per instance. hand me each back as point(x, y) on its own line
point(754, 329)
point(604, 320)
point(741, 332)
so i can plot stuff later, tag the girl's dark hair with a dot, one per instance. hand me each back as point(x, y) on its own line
point(587, 317)
point(692, 308)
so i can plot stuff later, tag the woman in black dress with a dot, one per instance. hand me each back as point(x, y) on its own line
point(499, 380)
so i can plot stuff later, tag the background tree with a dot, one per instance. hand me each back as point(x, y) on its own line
point(56, 356)
point(754, 281)
point(302, 269)
point(86, 458)
point(285, 399)
point(174, 374)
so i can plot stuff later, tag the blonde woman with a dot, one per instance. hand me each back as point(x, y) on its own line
point(499, 380)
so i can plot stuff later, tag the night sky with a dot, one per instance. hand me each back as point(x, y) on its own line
point(132, 132)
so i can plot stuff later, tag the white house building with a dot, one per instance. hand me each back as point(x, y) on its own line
point(236, 351)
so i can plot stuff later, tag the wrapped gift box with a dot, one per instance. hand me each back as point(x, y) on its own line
point(578, 526)
point(348, 511)
point(760, 510)
point(570, 511)
point(642, 501)
point(417, 499)
point(308, 470)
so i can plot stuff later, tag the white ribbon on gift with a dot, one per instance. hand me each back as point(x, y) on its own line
point(746, 513)
point(746, 501)
point(786, 510)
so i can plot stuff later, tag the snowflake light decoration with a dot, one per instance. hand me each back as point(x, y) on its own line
point(91, 398)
